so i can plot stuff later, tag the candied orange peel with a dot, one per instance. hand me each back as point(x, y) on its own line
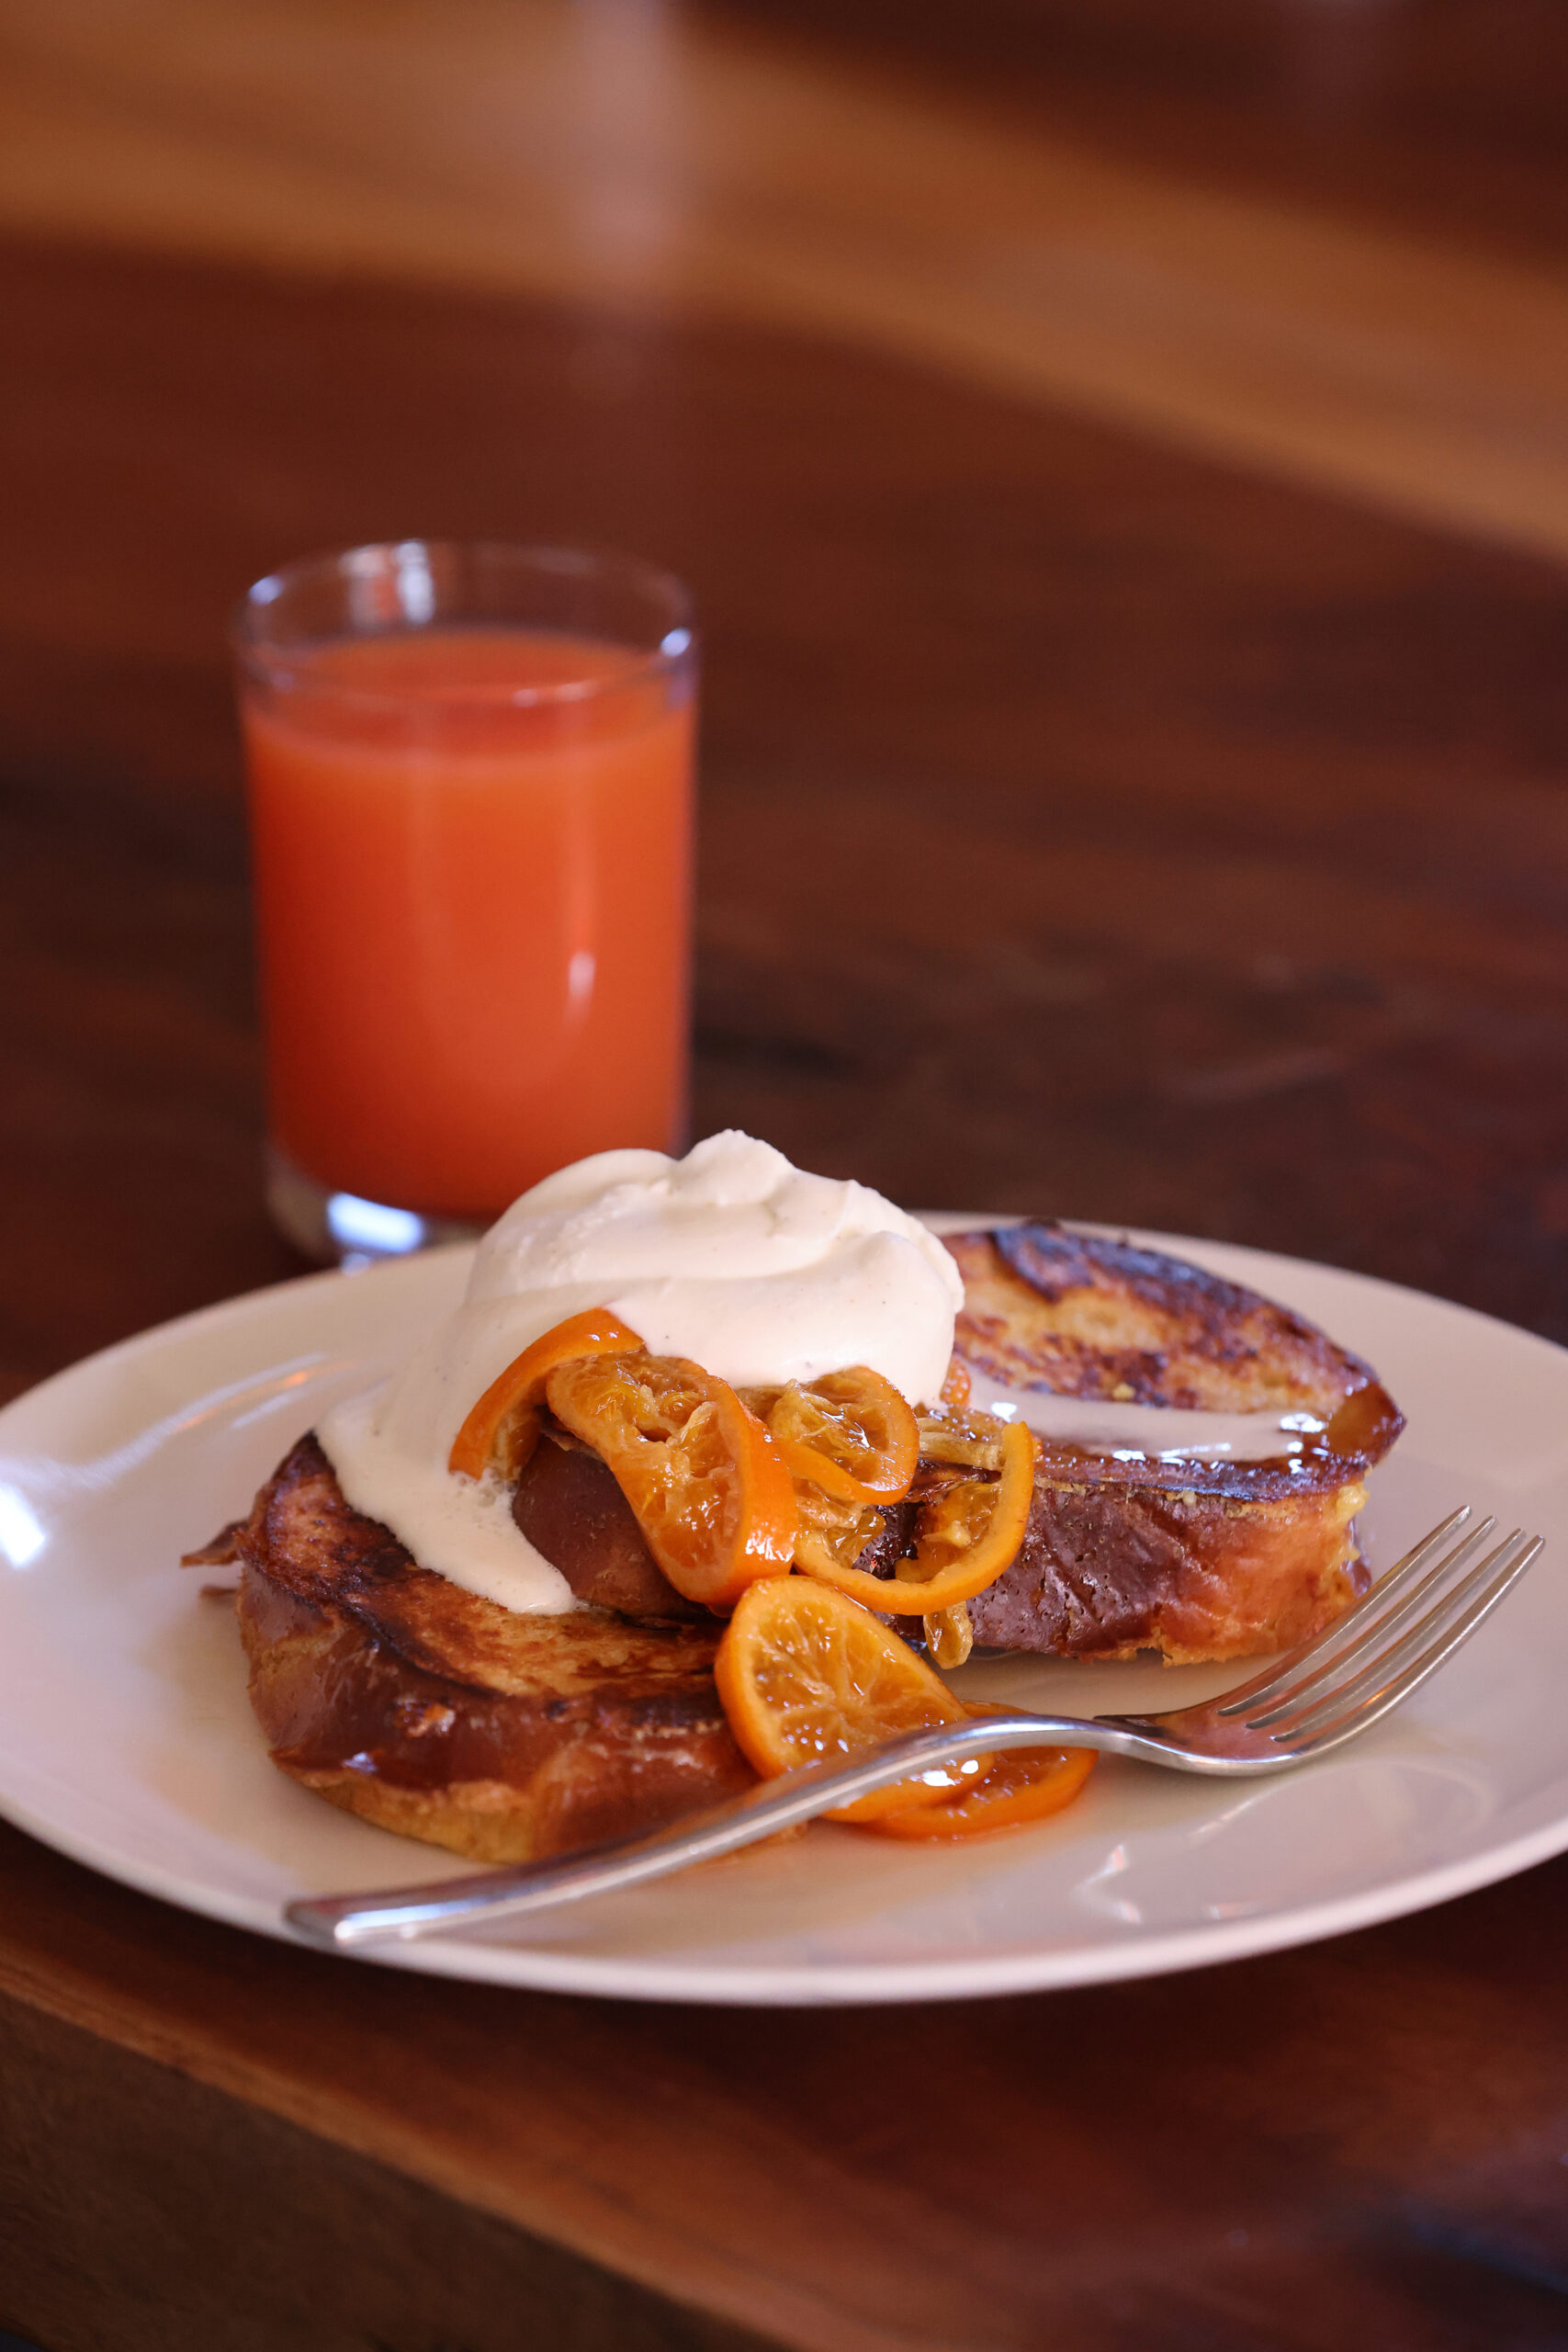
point(727, 1487)
point(806, 1674)
point(1016, 1786)
point(502, 1429)
point(850, 1432)
point(970, 1526)
point(708, 1485)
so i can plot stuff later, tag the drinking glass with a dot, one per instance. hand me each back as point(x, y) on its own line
point(470, 774)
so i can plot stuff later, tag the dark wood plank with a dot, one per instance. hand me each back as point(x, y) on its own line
point(1086, 828)
point(141, 2211)
point(1262, 232)
point(1445, 117)
point(1361, 2143)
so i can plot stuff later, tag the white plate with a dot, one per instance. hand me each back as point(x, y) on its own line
point(128, 1742)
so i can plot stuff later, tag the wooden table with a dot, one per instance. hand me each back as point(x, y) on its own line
point(1117, 454)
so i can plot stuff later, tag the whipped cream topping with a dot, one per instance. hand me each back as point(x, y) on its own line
point(732, 1257)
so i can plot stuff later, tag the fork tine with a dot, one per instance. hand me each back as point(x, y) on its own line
point(1393, 1580)
point(1376, 1704)
point(1372, 1641)
point(1301, 1718)
point(1330, 1705)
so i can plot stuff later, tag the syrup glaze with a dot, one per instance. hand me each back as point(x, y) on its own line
point(1358, 1431)
point(1138, 1369)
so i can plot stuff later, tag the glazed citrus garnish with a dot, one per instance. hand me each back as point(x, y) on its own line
point(707, 1482)
point(805, 1673)
point(503, 1427)
point(850, 1433)
point(949, 1636)
point(969, 1529)
point(955, 1385)
point(1018, 1785)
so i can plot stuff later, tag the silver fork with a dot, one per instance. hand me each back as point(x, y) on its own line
point(1328, 1691)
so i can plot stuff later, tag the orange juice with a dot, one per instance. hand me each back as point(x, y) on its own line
point(472, 853)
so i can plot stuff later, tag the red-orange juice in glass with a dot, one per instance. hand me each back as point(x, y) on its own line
point(471, 825)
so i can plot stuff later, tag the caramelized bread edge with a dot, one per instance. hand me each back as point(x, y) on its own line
point(598, 1729)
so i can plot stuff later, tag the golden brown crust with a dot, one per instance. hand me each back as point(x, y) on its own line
point(303, 1533)
point(1197, 1560)
point(1084, 1316)
point(1106, 1571)
point(396, 1694)
point(432, 1712)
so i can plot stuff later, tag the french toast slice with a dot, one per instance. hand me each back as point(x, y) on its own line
point(425, 1709)
point(1198, 1560)
point(396, 1694)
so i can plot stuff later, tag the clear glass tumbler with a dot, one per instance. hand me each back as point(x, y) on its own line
point(470, 774)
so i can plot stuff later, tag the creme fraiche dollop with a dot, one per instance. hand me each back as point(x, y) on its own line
point(732, 1257)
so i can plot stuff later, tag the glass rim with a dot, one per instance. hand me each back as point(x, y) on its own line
point(270, 663)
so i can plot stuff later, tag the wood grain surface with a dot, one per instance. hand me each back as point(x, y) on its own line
point(1028, 226)
point(1084, 829)
point(1362, 2142)
point(1089, 825)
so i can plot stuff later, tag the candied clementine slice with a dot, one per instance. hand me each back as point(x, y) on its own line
point(1017, 1785)
point(850, 1433)
point(502, 1429)
point(969, 1529)
point(805, 1673)
point(830, 1534)
point(962, 1438)
point(956, 1385)
point(707, 1482)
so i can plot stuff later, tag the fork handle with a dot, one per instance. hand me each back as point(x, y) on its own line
point(345, 1920)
